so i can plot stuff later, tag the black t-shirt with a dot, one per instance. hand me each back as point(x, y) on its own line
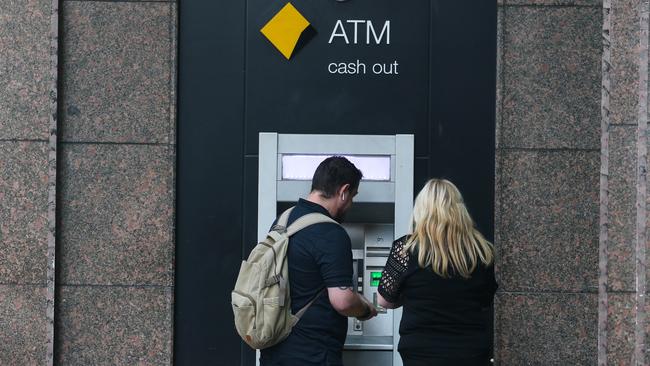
point(442, 317)
point(319, 256)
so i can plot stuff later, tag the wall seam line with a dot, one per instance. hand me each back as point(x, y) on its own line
point(534, 5)
point(126, 143)
point(171, 133)
point(51, 183)
point(121, 1)
point(546, 292)
point(549, 149)
point(604, 187)
point(499, 186)
point(640, 238)
point(171, 81)
point(95, 285)
point(26, 284)
point(17, 140)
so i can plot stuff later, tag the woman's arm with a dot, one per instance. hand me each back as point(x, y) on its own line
point(386, 304)
point(395, 270)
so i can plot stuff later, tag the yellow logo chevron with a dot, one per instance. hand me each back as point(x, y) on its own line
point(285, 29)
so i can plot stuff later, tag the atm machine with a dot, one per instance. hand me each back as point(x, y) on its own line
point(380, 213)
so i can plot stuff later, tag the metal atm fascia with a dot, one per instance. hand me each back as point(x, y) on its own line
point(272, 188)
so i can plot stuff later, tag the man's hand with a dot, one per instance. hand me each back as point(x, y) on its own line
point(371, 309)
point(349, 303)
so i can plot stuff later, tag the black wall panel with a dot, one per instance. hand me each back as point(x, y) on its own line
point(234, 84)
point(210, 178)
point(463, 93)
point(301, 96)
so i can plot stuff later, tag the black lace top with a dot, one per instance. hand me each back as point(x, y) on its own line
point(395, 271)
point(442, 317)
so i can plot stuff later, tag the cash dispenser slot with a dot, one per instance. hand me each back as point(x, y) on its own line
point(379, 343)
point(381, 252)
point(377, 254)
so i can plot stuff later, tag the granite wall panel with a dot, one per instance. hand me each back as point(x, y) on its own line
point(548, 233)
point(116, 218)
point(116, 191)
point(23, 212)
point(117, 214)
point(24, 69)
point(621, 313)
point(621, 324)
point(547, 181)
point(547, 329)
point(499, 78)
point(22, 325)
point(552, 78)
point(624, 72)
point(27, 104)
point(647, 208)
point(114, 326)
point(624, 144)
point(622, 211)
point(117, 72)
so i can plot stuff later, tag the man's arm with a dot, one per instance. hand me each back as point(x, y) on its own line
point(350, 303)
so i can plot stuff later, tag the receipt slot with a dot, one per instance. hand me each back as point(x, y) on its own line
point(380, 214)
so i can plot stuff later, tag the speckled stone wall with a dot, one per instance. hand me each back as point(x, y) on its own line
point(114, 300)
point(547, 185)
point(27, 115)
point(623, 320)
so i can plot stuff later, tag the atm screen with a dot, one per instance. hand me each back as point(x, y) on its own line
point(374, 278)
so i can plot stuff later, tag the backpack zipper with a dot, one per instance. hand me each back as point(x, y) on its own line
point(250, 298)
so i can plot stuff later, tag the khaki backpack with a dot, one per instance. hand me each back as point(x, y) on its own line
point(261, 301)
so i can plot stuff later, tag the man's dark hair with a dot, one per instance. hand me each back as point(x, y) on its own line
point(334, 172)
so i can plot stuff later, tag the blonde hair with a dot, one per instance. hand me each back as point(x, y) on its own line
point(444, 233)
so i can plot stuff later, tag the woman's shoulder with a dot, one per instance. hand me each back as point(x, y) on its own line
point(398, 247)
point(401, 241)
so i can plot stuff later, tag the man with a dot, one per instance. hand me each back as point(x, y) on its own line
point(320, 257)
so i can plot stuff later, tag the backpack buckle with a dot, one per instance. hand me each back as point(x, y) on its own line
point(272, 280)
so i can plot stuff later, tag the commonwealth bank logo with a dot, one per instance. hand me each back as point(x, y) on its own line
point(288, 30)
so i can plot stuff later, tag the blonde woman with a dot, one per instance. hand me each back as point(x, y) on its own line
point(442, 274)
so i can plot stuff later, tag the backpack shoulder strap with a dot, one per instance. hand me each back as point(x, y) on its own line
point(302, 311)
point(308, 220)
point(284, 218)
point(281, 224)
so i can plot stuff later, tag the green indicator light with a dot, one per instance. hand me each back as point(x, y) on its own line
point(374, 278)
